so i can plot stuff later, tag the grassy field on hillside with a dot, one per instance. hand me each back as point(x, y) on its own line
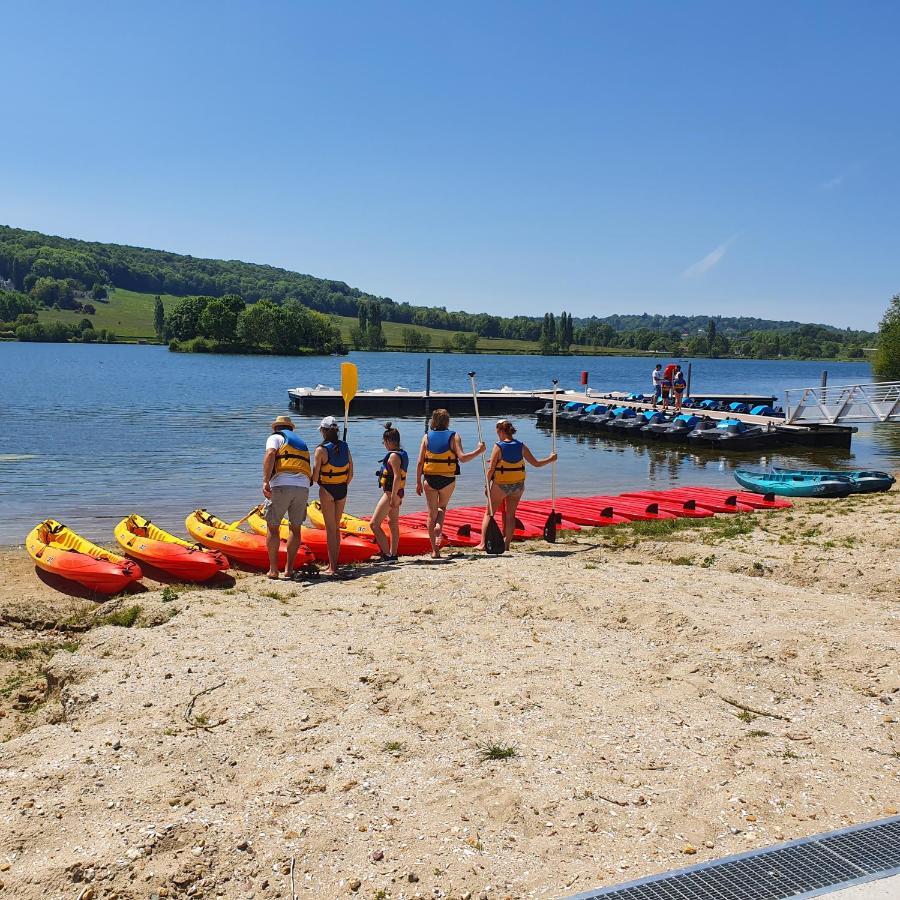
point(393, 333)
point(128, 313)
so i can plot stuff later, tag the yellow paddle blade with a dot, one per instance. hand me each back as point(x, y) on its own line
point(349, 382)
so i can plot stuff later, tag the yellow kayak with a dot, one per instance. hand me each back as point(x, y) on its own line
point(59, 550)
point(349, 524)
point(413, 541)
point(353, 549)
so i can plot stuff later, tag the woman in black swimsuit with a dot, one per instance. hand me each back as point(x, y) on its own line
point(333, 472)
point(440, 455)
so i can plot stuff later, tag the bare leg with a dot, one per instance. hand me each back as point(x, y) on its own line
point(498, 498)
point(332, 510)
point(437, 507)
point(381, 510)
point(394, 521)
point(512, 502)
point(293, 545)
point(273, 541)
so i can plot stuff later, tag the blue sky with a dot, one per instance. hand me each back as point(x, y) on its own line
point(690, 157)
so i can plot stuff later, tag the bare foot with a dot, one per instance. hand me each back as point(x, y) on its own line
point(273, 576)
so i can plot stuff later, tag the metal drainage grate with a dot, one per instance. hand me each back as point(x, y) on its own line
point(797, 869)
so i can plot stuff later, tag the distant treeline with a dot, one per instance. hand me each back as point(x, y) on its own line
point(64, 272)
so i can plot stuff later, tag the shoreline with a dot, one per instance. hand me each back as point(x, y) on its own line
point(435, 351)
point(531, 725)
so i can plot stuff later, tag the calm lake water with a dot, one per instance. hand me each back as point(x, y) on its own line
point(90, 433)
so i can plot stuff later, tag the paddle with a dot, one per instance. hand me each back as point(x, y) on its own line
point(554, 518)
point(349, 385)
point(235, 525)
point(493, 537)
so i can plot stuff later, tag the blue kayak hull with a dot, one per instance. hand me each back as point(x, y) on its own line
point(792, 485)
point(862, 481)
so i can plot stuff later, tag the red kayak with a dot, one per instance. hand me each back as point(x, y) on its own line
point(757, 501)
point(473, 517)
point(630, 507)
point(453, 535)
point(353, 549)
point(706, 501)
point(578, 513)
point(140, 538)
point(59, 550)
point(246, 548)
point(686, 508)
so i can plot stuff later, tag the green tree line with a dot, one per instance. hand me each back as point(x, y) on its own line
point(230, 325)
point(66, 272)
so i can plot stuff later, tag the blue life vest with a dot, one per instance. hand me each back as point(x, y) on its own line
point(439, 456)
point(337, 469)
point(511, 468)
point(386, 472)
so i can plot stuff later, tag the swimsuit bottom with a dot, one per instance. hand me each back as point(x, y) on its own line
point(439, 482)
point(337, 491)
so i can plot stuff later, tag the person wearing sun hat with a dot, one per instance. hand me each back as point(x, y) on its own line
point(286, 479)
point(333, 472)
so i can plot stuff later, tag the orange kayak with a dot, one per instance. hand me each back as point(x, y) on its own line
point(353, 549)
point(246, 548)
point(140, 538)
point(413, 541)
point(59, 550)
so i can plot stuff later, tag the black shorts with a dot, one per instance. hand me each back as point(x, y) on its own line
point(338, 491)
point(401, 493)
point(439, 482)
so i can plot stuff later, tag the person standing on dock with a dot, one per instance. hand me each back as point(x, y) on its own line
point(678, 387)
point(286, 481)
point(440, 455)
point(506, 475)
point(657, 383)
point(392, 481)
point(333, 472)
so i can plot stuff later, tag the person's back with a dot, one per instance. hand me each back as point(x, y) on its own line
point(511, 467)
point(286, 480)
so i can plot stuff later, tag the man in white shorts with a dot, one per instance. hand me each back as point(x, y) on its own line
point(286, 480)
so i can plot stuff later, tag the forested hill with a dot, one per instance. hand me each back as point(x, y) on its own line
point(29, 258)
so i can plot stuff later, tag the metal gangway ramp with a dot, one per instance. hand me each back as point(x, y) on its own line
point(827, 405)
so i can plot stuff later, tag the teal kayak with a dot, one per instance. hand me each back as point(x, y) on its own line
point(794, 484)
point(863, 481)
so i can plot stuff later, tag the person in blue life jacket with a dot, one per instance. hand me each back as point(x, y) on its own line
point(506, 476)
point(286, 481)
point(333, 472)
point(678, 388)
point(392, 481)
point(440, 456)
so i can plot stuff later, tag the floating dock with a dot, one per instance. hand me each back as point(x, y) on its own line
point(320, 402)
point(397, 404)
point(802, 435)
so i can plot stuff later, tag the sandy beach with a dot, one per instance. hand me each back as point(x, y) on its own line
point(534, 725)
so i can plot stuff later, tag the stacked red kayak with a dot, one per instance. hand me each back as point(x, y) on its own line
point(462, 524)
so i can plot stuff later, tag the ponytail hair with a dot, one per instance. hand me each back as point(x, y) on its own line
point(504, 426)
point(329, 434)
point(391, 434)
